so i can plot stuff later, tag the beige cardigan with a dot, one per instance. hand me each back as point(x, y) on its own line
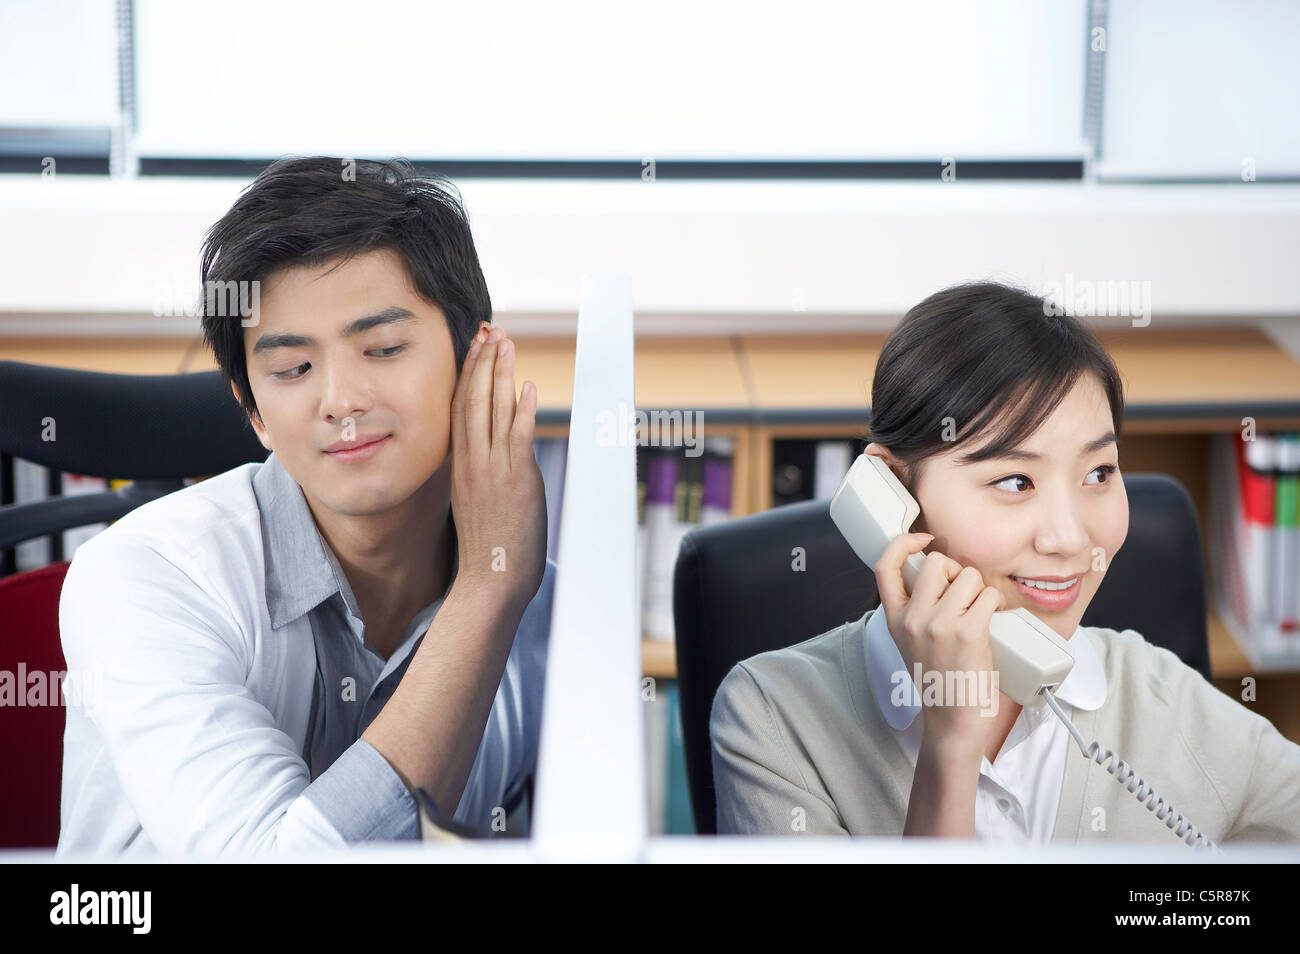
point(798, 728)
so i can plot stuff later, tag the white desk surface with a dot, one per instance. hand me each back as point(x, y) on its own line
point(680, 849)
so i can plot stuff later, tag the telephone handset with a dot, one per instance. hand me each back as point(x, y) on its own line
point(871, 507)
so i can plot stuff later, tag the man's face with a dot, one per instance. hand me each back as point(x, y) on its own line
point(1060, 515)
point(318, 380)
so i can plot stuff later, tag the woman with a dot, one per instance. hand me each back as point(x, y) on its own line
point(1001, 418)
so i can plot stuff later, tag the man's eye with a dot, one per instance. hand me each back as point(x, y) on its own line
point(381, 352)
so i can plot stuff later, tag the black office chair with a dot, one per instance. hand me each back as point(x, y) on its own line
point(154, 430)
point(736, 594)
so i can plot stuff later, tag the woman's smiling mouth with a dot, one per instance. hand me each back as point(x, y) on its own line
point(1050, 594)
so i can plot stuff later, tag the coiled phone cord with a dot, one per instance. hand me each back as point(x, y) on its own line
point(1146, 793)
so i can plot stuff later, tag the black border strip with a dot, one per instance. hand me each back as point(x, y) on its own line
point(33, 165)
point(665, 169)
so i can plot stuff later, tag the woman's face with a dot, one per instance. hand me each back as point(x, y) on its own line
point(1057, 511)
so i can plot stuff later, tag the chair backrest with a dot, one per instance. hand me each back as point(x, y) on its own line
point(31, 733)
point(737, 592)
point(152, 429)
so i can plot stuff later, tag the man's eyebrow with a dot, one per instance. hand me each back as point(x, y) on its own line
point(360, 325)
point(1088, 448)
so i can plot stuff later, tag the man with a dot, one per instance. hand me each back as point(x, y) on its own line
point(281, 655)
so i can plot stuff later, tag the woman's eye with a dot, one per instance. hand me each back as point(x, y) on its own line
point(1012, 477)
point(1108, 469)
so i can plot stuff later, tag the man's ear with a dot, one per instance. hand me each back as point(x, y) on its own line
point(258, 427)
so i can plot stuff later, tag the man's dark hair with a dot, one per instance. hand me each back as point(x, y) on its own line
point(310, 211)
point(976, 353)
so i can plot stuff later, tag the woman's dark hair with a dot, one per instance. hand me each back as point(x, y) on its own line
point(310, 211)
point(974, 353)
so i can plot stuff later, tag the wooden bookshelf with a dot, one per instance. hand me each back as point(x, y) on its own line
point(1167, 373)
point(1213, 373)
point(658, 659)
point(1227, 661)
point(1181, 387)
point(112, 355)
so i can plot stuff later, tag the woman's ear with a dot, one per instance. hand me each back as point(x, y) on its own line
point(901, 470)
point(883, 452)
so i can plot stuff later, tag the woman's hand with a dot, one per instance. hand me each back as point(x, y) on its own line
point(498, 499)
point(943, 625)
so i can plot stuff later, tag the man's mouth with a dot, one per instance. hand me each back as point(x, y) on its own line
point(355, 443)
point(358, 450)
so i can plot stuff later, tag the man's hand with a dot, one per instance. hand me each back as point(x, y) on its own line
point(433, 726)
point(497, 497)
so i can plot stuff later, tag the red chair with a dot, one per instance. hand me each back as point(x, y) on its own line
point(154, 430)
point(31, 743)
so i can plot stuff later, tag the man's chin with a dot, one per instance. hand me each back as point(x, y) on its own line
point(360, 501)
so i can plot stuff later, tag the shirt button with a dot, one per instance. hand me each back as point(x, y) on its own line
point(1003, 804)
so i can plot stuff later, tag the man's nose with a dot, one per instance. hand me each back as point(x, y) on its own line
point(347, 392)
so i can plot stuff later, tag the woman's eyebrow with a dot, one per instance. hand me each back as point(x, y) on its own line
point(1089, 448)
point(289, 340)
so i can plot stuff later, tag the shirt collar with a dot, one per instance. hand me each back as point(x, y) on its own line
point(301, 569)
point(1084, 687)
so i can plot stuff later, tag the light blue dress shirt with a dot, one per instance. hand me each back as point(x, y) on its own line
point(225, 678)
